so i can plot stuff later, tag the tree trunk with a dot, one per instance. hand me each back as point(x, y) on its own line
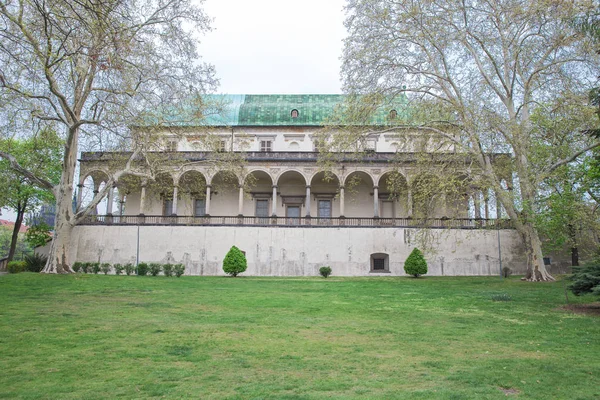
point(536, 270)
point(58, 260)
point(15, 234)
point(574, 256)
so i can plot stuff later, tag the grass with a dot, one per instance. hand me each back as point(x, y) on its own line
point(95, 337)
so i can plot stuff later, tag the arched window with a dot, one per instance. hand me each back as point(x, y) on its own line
point(295, 113)
point(294, 146)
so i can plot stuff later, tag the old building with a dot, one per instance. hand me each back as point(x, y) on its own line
point(253, 175)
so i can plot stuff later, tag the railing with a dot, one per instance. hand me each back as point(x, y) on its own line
point(436, 223)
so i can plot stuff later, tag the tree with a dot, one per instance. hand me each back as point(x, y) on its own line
point(586, 279)
point(41, 155)
point(234, 262)
point(415, 264)
point(481, 69)
point(95, 68)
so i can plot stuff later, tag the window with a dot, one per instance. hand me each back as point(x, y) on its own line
point(294, 113)
point(262, 210)
point(172, 145)
point(222, 146)
point(293, 214)
point(393, 114)
point(266, 145)
point(380, 262)
point(168, 207)
point(199, 207)
point(324, 210)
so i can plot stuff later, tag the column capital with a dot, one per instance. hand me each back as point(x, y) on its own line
point(208, 186)
point(274, 186)
point(308, 186)
point(375, 187)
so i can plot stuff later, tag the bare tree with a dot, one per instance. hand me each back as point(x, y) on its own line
point(482, 67)
point(95, 67)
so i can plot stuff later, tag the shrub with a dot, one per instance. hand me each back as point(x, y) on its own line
point(77, 266)
point(155, 268)
point(14, 267)
point(142, 269)
point(168, 269)
point(506, 272)
point(325, 271)
point(586, 279)
point(35, 262)
point(105, 268)
point(179, 269)
point(86, 267)
point(129, 268)
point(95, 267)
point(119, 269)
point(415, 264)
point(234, 262)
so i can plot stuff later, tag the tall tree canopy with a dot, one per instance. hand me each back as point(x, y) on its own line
point(482, 67)
point(93, 68)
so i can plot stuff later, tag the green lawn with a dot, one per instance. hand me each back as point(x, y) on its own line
point(94, 336)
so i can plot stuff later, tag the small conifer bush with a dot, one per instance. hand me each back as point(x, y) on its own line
point(142, 269)
point(415, 264)
point(155, 268)
point(168, 269)
point(234, 262)
point(77, 266)
point(325, 271)
point(178, 269)
point(105, 268)
point(586, 278)
point(119, 268)
point(95, 267)
point(129, 268)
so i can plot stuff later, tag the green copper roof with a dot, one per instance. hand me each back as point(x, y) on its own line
point(276, 110)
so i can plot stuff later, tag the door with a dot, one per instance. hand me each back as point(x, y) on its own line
point(262, 211)
point(324, 212)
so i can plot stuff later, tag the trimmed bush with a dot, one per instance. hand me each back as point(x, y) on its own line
point(234, 262)
point(105, 268)
point(586, 279)
point(129, 268)
point(325, 271)
point(86, 267)
point(119, 268)
point(142, 269)
point(35, 262)
point(95, 267)
point(178, 269)
point(168, 269)
point(154, 268)
point(415, 264)
point(14, 267)
point(77, 266)
point(506, 272)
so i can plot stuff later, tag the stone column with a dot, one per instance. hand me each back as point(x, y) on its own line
point(121, 204)
point(79, 196)
point(308, 201)
point(409, 203)
point(207, 201)
point(274, 202)
point(342, 201)
point(486, 206)
point(175, 194)
point(376, 201)
point(143, 197)
point(241, 201)
point(477, 204)
point(109, 200)
point(498, 206)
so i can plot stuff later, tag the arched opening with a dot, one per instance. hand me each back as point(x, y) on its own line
point(393, 195)
point(324, 190)
point(259, 185)
point(358, 187)
point(224, 194)
point(129, 194)
point(93, 183)
point(192, 194)
point(291, 187)
point(159, 196)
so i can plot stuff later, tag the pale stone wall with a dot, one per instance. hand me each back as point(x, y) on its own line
point(282, 251)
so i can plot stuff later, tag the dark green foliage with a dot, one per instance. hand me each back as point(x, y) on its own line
point(35, 262)
point(38, 235)
point(14, 267)
point(95, 267)
point(142, 269)
point(168, 269)
point(86, 267)
point(118, 269)
point(234, 262)
point(105, 268)
point(586, 278)
point(179, 269)
point(325, 271)
point(506, 272)
point(415, 264)
point(77, 266)
point(129, 268)
point(155, 268)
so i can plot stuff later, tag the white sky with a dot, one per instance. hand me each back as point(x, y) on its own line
point(275, 46)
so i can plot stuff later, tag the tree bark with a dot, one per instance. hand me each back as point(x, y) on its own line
point(58, 259)
point(15, 234)
point(536, 270)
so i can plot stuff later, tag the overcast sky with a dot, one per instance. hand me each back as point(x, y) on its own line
point(275, 46)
